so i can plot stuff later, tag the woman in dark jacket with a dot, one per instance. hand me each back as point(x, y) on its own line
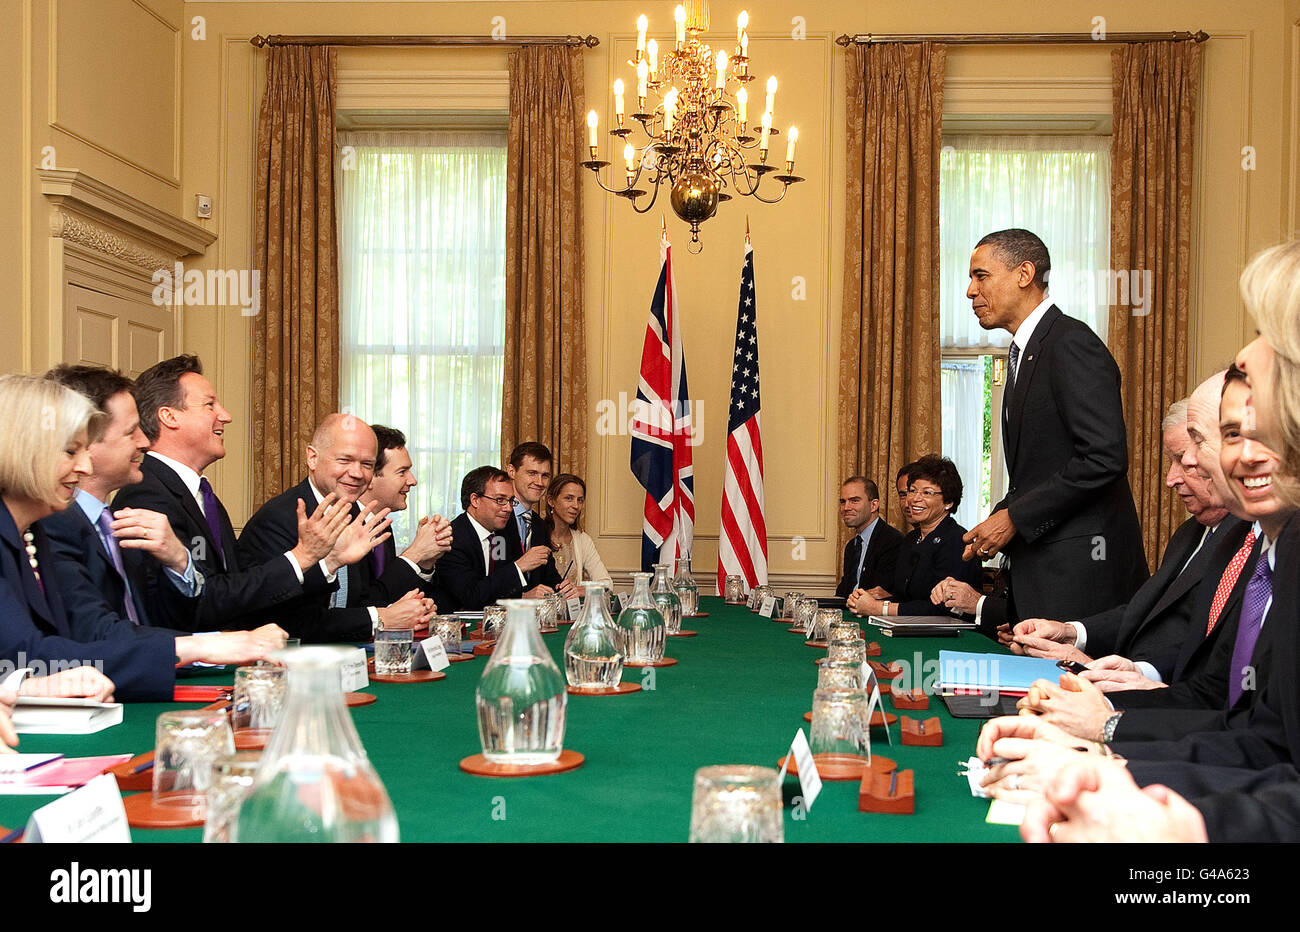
point(930, 552)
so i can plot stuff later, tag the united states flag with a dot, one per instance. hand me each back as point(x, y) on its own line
point(661, 429)
point(742, 543)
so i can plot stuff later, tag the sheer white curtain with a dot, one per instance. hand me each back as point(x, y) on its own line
point(1056, 186)
point(961, 382)
point(422, 268)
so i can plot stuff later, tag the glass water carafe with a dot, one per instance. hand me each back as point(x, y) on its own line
point(592, 656)
point(687, 590)
point(521, 698)
point(315, 783)
point(641, 625)
point(665, 596)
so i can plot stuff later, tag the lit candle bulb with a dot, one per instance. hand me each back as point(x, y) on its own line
point(670, 109)
point(767, 128)
point(628, 153)
point(742, 103)
point(679, 16)
point(722, 71)
point(641, 72)
point(652, 52)
point(618, 96)
point(744, 44)
point(771, 94)
point(641, 25)
point(592, 119)
point(742, 22)
point(789, 146)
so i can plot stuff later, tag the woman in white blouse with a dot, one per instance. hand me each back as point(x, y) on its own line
point(575, 552)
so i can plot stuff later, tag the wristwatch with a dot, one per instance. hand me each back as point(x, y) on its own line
point(1108, 729)
point(884, 608)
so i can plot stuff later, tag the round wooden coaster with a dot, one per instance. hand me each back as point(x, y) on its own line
point(843, 766)
point(666, 662)
point(415, 676)
point(788, 621)
point(818, 644)
point(622, 689)
point(729, 602)
point(143, 812)
point(460, 658)
point(876, 720)
point(478, 764)
point(251, 739)
point(358, 699)
point(684, 634)
point(699, 614)
point(127, 780)
point(485, 650)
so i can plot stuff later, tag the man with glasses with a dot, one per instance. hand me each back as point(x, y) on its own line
point(482, 567)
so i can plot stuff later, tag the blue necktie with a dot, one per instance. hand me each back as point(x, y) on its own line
point(1013, 359)
point(115, 554)
point(1258, 591)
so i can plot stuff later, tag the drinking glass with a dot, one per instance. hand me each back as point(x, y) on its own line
point(788, 603)
point(258, 700)
point(232, 775)
point(447, 627)
point(841, 674)
point(843, 629)
point(494, 619)
point(820, 621)
point(393, 651)
point(734, 589)
point(854, 651)
point(187, 742)
point(548, 619)
point(803, 612)
point(736, 803)
point(839, 731)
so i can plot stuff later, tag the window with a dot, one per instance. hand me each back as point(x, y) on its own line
point(1057, 186)
point(422, 267)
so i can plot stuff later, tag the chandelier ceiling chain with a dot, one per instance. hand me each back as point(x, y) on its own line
point(698, 134)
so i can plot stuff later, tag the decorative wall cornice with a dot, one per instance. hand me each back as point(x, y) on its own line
point(74, 228)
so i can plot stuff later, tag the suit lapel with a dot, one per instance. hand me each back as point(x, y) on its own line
point(1025, 368)
point(1186, 580)
point(37, 603)
point(172, 482)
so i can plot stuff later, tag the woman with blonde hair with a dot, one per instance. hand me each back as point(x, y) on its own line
point(575, 552)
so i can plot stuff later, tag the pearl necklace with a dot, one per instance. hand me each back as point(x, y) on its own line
point(31, 554)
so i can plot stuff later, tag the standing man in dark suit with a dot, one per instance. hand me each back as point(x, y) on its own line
point(1067, 525)
point(482, 566)
point(185, 424)
point(341, 462)
point(394, 574)
point(870, 554)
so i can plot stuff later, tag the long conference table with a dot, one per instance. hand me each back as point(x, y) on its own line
point(737, 695)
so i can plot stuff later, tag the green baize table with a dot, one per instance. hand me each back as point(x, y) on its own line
point(736, 696)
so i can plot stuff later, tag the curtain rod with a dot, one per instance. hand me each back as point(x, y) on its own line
point(1020, 38)
point(588, 41)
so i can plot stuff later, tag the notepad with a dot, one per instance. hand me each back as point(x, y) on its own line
point(973, 672)
point(40, 715)
point(59, 776)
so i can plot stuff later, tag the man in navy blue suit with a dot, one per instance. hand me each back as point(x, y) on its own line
point(101, 597)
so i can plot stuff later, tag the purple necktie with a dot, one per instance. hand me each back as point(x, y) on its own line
point(379, 560)
point(212, 514)
point(1258, 591)
point(115, 554)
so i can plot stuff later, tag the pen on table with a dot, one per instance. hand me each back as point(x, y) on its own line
point(141, 768)
point(12, 836)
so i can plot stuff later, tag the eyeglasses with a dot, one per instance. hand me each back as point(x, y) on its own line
point(502, 500)
point(925, 493)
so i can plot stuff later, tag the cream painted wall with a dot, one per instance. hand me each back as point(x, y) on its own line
point(1246, 100)
point(95, 85)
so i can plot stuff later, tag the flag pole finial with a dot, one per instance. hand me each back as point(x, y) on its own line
point(746, 229)
point(663, 220)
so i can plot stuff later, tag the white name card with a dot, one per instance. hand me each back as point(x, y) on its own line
point(354, 673)
point(92, 813)
point(435, 653)
point(810, 781)
point(574, 607)
point(768, 606)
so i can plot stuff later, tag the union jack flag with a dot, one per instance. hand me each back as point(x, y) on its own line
point(661, 429)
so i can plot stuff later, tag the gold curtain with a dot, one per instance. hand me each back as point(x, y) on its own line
point(1155, 87)
point(890, 408)
point(544, 396)
point(296, 336)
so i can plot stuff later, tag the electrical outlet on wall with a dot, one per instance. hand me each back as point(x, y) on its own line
point(203, 206)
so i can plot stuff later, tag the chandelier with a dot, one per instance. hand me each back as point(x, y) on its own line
point(698, 134)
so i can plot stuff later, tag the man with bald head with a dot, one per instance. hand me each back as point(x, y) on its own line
point(1162, 635)
point(340, 461)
